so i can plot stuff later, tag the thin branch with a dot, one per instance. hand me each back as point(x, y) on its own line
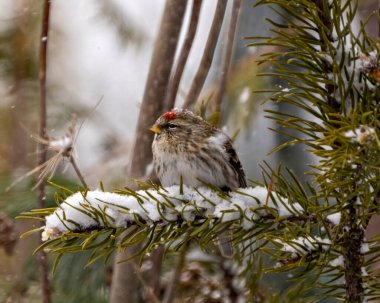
point(208, 55)
point(42, 149)
point(184, 54)
point(227, 56)
point(78, 172)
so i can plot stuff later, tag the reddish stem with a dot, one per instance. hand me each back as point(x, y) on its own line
point(42, 152)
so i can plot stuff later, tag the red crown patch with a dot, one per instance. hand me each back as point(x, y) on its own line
point(170, 115)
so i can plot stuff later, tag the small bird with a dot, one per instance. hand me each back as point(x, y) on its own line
point(188, 148)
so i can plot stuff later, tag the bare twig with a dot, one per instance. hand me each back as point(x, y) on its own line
point(184, 54)
point(208, 55)
point(78, 172)
point(170, 290)
point(42, 149)
point(227, 56)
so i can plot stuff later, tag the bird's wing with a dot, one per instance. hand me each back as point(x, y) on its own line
point(234, 161)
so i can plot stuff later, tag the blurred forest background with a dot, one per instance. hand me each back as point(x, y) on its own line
point(101, 50)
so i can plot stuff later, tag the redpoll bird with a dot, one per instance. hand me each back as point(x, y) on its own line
point(187, 147)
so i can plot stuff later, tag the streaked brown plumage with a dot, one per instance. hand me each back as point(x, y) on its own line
point(188, 146)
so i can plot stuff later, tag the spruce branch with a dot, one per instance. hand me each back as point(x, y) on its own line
point(331, 73)
point(95, 210)
point(325, 33)
point(164, 215)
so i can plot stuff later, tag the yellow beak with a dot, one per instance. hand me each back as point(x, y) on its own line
point(155, 128)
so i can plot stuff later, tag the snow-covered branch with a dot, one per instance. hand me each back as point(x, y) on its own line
point(170, 216)
point(95, 210)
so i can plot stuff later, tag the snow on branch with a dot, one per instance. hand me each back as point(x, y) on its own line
point(303, 245)
point(95, 210)
point(300, 247)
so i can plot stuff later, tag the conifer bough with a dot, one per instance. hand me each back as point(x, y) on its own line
point(163, 215)
point(96, 210)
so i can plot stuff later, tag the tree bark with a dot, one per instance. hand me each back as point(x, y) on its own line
point(124, 283)
point(352, 241)
point(184, 54)
point(227, 57)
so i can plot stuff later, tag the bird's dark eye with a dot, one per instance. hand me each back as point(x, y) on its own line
point(171, 126)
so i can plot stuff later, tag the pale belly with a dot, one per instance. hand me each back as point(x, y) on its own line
point(193, 173)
